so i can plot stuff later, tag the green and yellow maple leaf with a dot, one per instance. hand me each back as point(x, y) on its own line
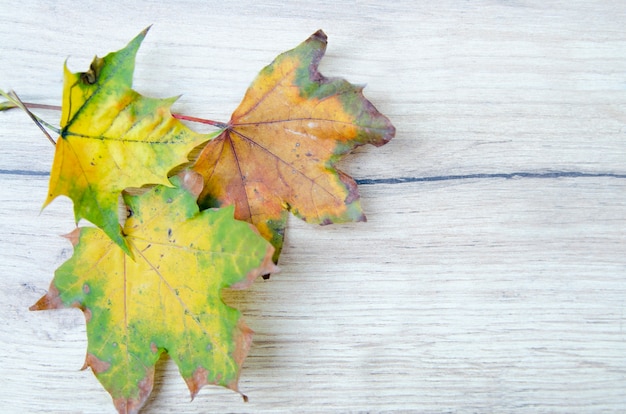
point(113, 138)
point(165, 300)
point(279, 150)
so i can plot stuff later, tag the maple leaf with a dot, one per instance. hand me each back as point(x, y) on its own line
point(113, 138)
point(167, 299)
point(279, 150)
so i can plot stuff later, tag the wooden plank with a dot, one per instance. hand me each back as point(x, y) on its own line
point(490, 276)
point(516, 304)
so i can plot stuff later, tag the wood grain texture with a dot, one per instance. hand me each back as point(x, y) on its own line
point(491, 275)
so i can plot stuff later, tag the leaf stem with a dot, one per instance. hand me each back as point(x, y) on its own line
point(42, 106)
point(15, 100)
point(12, 104)
point(182, 117)
point(200, 120)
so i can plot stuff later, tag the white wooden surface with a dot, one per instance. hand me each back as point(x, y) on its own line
point(471, 289)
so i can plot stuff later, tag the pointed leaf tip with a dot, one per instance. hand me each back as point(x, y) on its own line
point(319, 35)
point(140, 36)
point(145, 31)
point(50, 300)
point(73, 236)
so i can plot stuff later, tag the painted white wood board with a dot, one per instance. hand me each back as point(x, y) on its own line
point(491, 274)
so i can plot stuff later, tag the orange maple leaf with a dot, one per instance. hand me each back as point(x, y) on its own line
point(279, 150)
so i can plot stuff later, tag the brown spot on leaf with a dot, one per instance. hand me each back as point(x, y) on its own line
point(73, 236)
point(133, 405)
point(192, 182)
point(198, 380)
point(265, 268)
point(243, 341)
point(353, 190)
point(50, 300)
point(87, 313)
point(91, 76)
point(96, 365)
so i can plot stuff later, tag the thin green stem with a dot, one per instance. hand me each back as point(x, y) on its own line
point(15, 100)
